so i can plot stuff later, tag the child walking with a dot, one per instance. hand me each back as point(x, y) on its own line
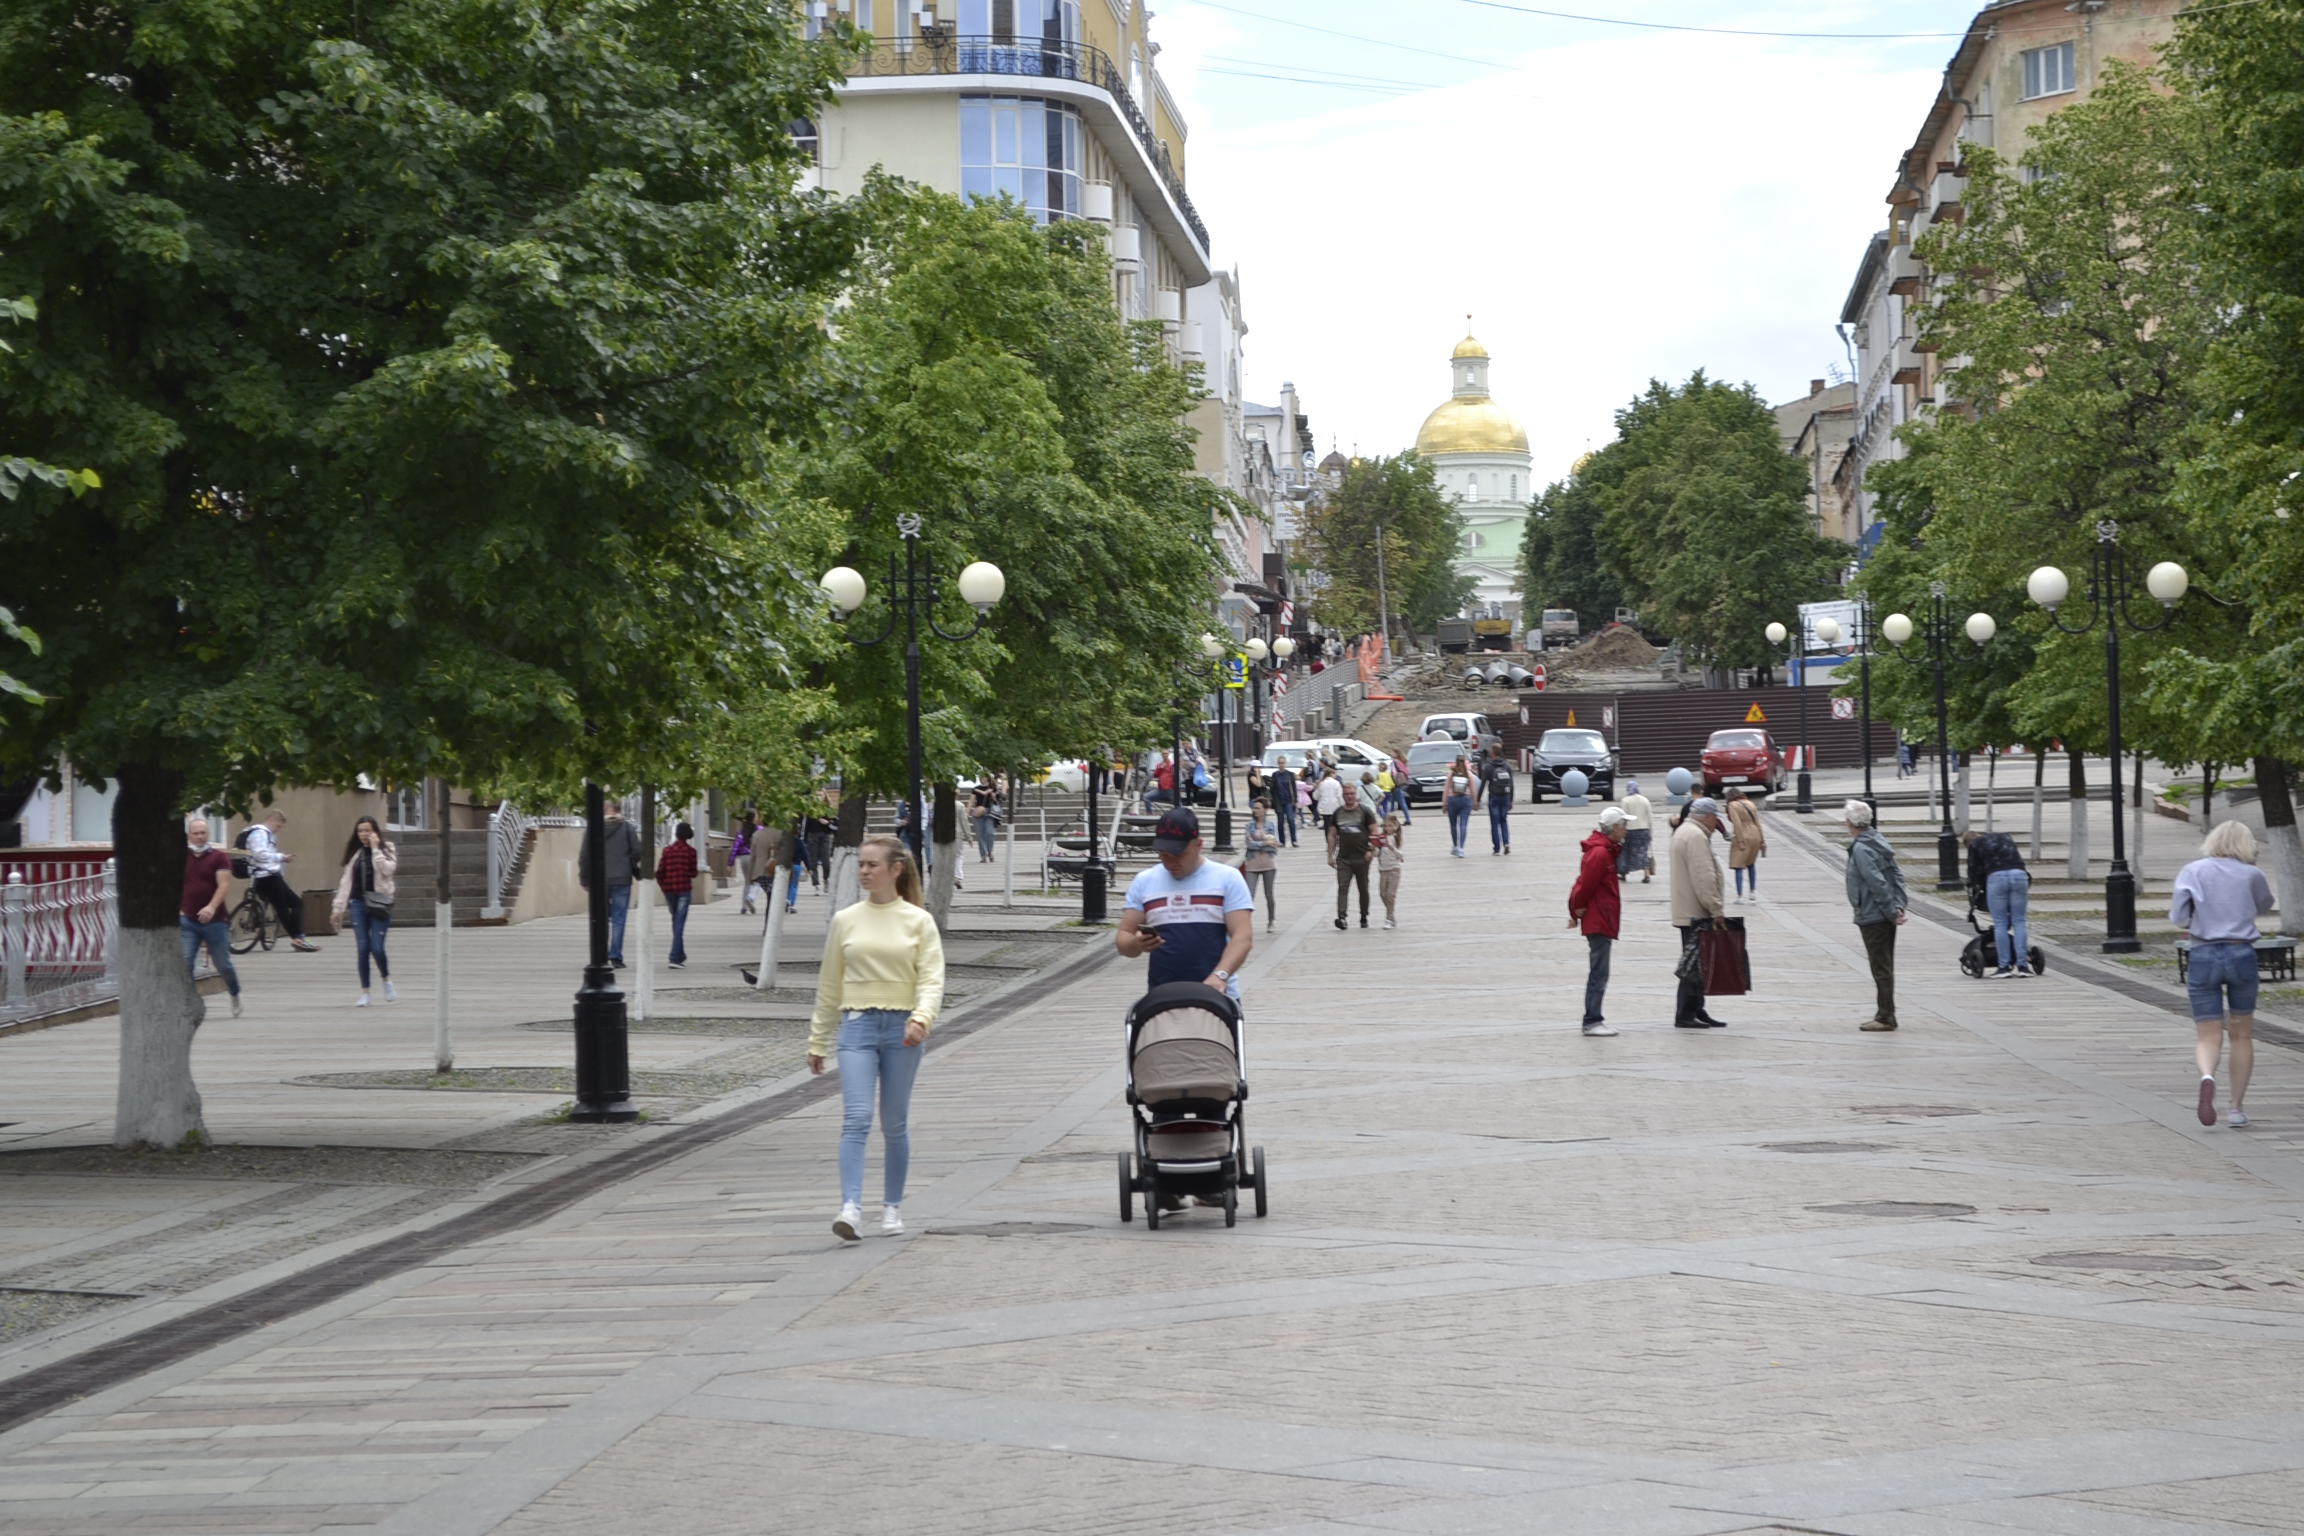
point(1391, 854)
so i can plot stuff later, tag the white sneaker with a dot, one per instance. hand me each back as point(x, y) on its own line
point(236, 1005)
point(1597, 1030)
point(361, 1001)
point(2235, 1117)
point(391, 994)
point(891, 1221)
point(1390, 924)
point(847, 1221)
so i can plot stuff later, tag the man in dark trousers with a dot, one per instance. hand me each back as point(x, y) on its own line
point(1596, 904)
point(1699, 900)
point(1284, 801)
point(1351, 841)
point(1496, 789)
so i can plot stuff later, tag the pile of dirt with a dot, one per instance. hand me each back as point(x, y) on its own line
point(1615, 649)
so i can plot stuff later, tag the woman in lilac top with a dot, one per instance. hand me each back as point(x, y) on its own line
point(2218, 898)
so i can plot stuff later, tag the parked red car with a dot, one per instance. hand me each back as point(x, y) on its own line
point(1745, 755)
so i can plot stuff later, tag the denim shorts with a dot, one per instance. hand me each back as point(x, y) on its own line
point(2221, 979)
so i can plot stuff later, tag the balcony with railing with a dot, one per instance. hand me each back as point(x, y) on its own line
point(936, 52)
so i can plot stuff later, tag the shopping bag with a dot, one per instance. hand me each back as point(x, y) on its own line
point(1727, 969)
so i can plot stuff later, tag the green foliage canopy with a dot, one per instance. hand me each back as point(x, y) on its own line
point(1422, 533)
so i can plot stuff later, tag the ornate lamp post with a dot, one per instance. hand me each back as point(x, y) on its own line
point(1219, 651)
point(2108, 593)
point(1860, 646)
point(1937, 630)
point(603, 1058)
point(915, 592)
point(1257, 650)
point(1796, 658)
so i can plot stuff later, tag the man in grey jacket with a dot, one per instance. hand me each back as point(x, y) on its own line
point(620, 860)
point(1876, 896)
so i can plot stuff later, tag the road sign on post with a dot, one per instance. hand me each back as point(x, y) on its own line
point(1539, 676)
point(1235, 671)
point(1843, 709)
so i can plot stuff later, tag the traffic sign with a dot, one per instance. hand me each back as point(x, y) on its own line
point(1608, 717)
point(1235, 671)
point(1755, 715)
point(1540, 677)
point(1843, 709)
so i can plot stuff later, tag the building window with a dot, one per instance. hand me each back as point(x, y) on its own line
point(1471, 539)
point(1471, 487)
point(1021, 148)
point(1515, 492)
point(2048, 71)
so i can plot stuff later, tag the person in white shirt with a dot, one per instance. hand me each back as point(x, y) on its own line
point(2217, 900)
point(268, 863)
point(1639, 833)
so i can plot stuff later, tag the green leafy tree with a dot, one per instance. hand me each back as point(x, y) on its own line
point(1704, 520)
point(1422, 531)
point(1561, 564)
point(992, 391)
point(434, 355)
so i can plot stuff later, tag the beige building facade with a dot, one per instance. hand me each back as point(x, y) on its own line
point(2020, 62)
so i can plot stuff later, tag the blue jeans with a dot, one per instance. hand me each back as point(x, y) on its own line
point(1602, 950)
point(1749, 873)
point(619, 904)
point(2221, 979)
point(1499, 830)
point(872, 1051)
point(369, 925)
point(2008, 893)
point(1459, 808)
point(1286, 810)
point(677, 905)
point(986, 829)
point(218, 937)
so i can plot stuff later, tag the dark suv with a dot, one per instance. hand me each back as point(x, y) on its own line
point(1571, 747)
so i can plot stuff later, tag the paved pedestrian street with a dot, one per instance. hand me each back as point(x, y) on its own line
point(1984, 1275)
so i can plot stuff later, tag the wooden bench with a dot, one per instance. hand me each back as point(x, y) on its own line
point(2275, 958)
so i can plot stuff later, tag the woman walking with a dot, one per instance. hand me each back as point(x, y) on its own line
point(2219, 896)
point(1262, 859)
point(880, 987)
point(364, 896)
point(1391, 856)
point(1456, 800)
point(984, 813)
point(1747, 843)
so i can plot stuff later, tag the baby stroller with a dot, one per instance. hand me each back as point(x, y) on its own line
point(1186, 1085)
point(1982, 953)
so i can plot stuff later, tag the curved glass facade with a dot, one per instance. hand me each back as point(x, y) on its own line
point(1023, 148)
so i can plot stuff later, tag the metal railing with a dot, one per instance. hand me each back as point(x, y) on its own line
point(58, 943)
point(508, 828)
point(942, 53)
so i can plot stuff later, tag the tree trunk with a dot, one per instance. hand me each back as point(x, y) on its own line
point(2136, 835)
point(2039, 787)
point(944, 833)
point(841, 883)
point(1962, 794)
point(2285, 848)
point(2076, 862)
point(443, 927)
point(640, 999)
point(158, 1104)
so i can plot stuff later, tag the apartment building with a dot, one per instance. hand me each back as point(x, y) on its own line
point(1816, 429)
point(2019, 62)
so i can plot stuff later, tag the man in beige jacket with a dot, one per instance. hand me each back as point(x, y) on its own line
point(1697, 897)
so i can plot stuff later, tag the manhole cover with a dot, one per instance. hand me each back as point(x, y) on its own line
point(2125, 1261)
point(1897, 1208)
point(1920, 1111)
point(1010, 1229)
point(1821, 1146)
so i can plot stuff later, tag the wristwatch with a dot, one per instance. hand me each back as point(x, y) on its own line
point(1219, 974)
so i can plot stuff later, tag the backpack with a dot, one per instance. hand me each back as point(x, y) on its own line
point(241, 868)
point(1499, 776)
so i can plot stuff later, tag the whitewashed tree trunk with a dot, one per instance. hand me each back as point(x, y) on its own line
point(1962, 795)
point(842, 884)
point(2283, 843)
point(2039, 787)
point(443, 1034)
point(948, 858)
point(2076, 862)
point(160, 1011)
point(643, 918)
point(772, 932)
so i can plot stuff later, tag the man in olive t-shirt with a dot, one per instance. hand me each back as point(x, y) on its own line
point(1351, 837)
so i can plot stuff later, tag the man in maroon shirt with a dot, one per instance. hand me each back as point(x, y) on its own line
point(676, 878)
point(200, 915)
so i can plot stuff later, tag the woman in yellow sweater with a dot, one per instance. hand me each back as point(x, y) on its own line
point(882, 982)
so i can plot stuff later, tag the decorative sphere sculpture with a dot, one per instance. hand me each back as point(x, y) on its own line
point(1679, 781)
point(1573, 783)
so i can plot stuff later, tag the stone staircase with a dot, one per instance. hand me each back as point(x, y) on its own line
point(467, 876)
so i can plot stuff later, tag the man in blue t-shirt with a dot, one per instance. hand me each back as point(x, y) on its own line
point(1194, 918)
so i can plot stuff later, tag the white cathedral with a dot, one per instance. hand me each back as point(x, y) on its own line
point(1480, 457)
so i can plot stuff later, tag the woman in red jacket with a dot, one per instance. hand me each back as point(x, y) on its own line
point(1596, 905)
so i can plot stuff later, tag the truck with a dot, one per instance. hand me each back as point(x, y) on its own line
point(1454, 636)
point(1492, 634)
point(1560, 626)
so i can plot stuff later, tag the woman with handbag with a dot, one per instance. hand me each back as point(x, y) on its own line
point(1456, 800)
point(364, 895)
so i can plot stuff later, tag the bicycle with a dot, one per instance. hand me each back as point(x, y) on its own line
point(253, 923)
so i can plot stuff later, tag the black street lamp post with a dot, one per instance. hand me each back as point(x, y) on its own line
point(2108, 594)
point(603, 1059)
point(1937, 630)
point(915, 592)
point(1219, 650)
point(1795, 642)
point(1859, 646)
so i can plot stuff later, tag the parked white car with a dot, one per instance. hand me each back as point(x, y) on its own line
point(1356, 761)
point(1069, 774)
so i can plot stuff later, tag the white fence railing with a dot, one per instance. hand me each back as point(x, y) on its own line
point(58, 943)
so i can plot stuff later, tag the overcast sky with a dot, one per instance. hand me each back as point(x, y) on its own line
point(1609, 204)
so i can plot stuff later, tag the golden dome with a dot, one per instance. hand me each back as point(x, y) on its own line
point(1469, 347)
point(1470, 424)
point(1582, 459)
